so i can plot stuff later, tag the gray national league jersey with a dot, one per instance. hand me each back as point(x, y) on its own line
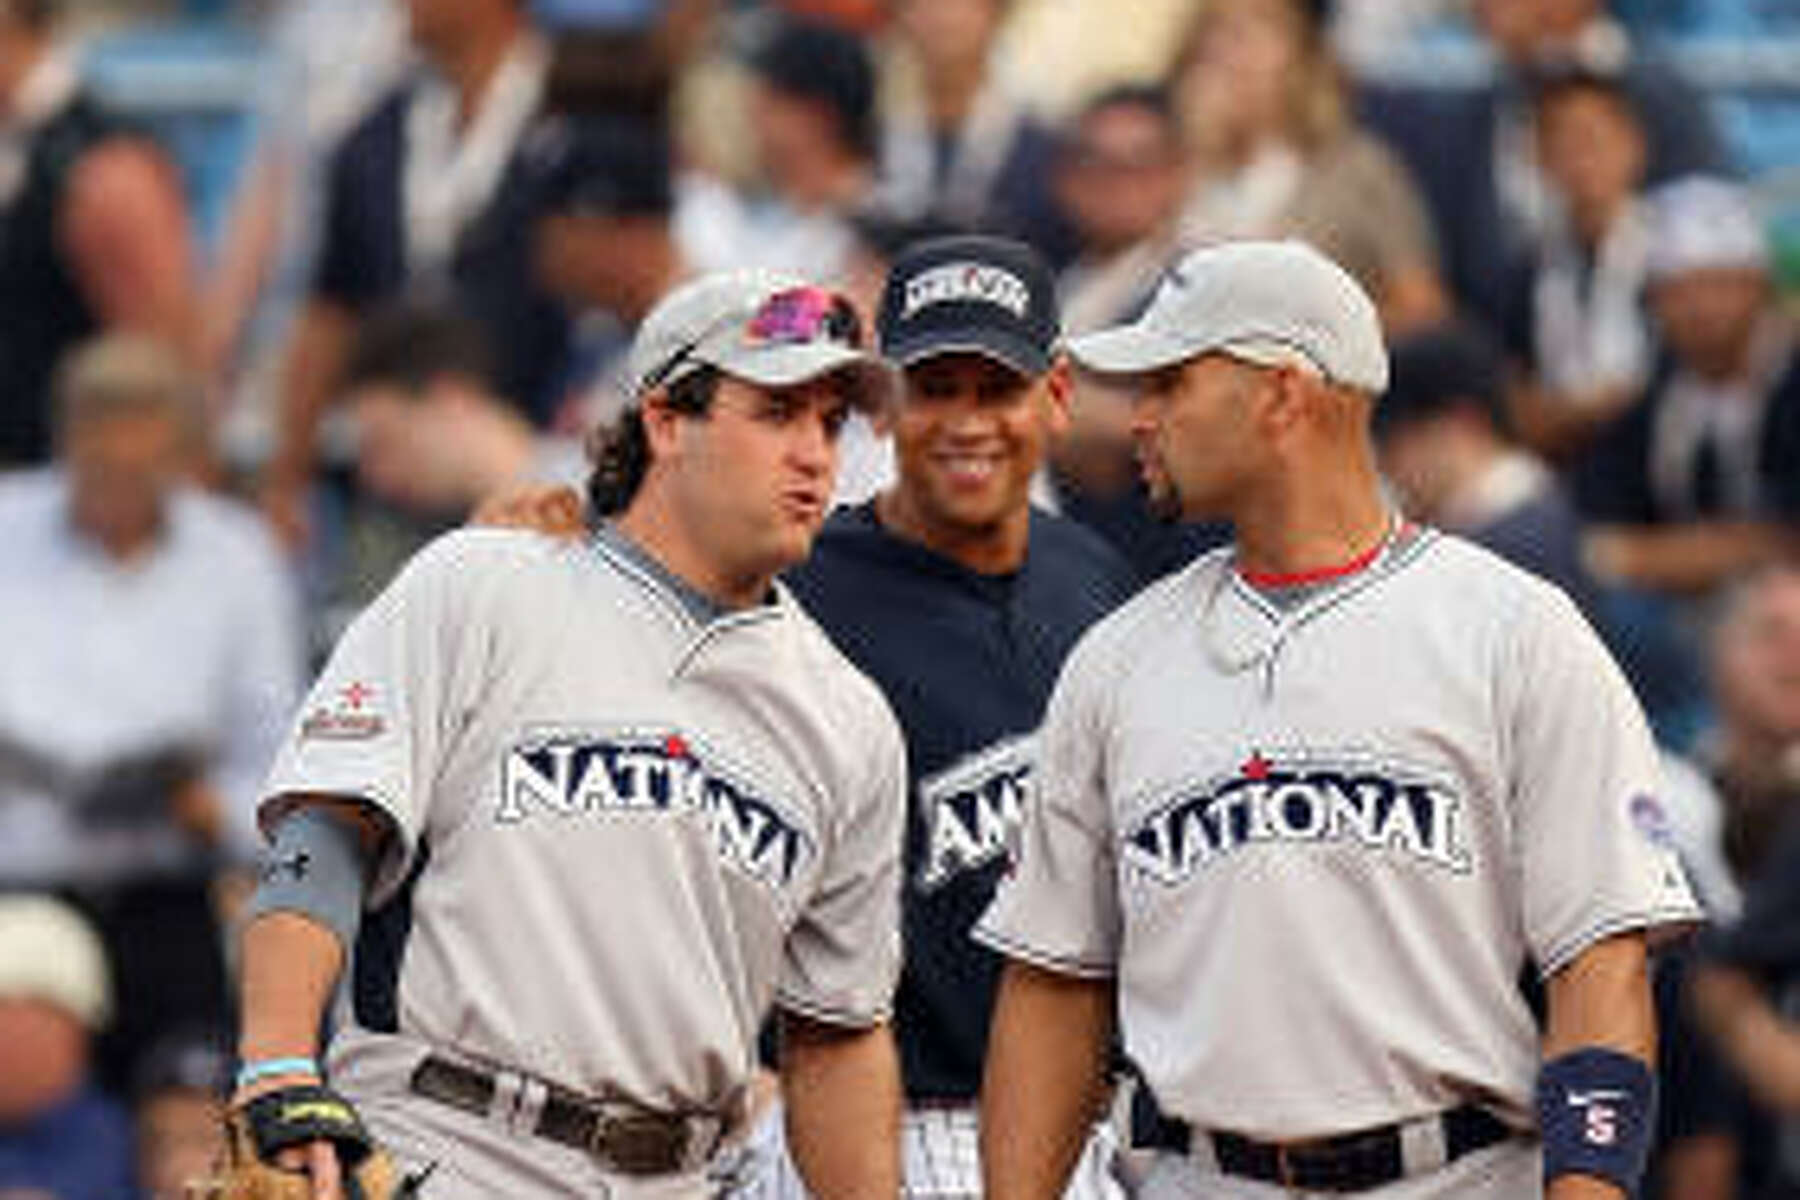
point(1317, 844)
point(642, 829)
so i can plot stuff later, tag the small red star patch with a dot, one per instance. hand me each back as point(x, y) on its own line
point(356, 693)
point(674, 746)
point(1256, 767)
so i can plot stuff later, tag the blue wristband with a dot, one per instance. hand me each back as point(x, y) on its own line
point(267, 1068)
point(1597, 1109)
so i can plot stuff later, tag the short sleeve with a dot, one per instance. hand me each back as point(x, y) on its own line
point(1595, 852)
point(842, 958)
point(1058, 906)
point(377, 722)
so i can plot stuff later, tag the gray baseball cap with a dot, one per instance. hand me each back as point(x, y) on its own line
point(765, 327)
point(1269, 303)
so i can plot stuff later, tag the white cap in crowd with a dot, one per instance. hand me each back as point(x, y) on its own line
point(1702, 223)
point(48, 952)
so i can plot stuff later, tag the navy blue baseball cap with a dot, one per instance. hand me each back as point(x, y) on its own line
point(970, 294)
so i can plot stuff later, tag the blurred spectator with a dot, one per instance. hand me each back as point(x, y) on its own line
point(60, 1136)
point(606, 247)
point(1702, 478)
point(1277, 154)
point(1714, 1138)
point(1366, 32)
point(327, 62)
point(433, 439)
point(433, 435)
point(178, 1095)
point(152, 659)
point(93, 227)
point(1582, 324)
point(812, 119)
point(1752, 749)
point(607, 15)
point(1119, 176)
point(1063, 52)
point(1746, 994)
point(1475, 152)
point(427, 196)
point(958, 142)
point(1444, 448)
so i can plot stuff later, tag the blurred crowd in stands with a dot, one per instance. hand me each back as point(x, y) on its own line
point(216, 448)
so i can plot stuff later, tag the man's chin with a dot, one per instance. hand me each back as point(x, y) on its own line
point(794, 544)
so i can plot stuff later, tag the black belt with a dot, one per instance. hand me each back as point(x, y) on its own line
point(621, 1135)
point(1351, 1162)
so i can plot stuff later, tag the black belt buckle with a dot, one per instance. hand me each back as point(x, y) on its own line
point(1353, 1163)
point(639, 1143)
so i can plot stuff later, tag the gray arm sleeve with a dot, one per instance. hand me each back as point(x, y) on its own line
point(314, 867)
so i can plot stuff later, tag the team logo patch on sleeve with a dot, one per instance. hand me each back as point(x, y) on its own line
point(1651, 819)
point(352, 717)
point(651, 773)
point(972, 810)
point(1273, 799)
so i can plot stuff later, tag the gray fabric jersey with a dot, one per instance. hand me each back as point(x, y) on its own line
point(643, 829)
point(1315, 846)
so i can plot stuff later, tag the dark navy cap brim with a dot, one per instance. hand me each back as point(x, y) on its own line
point(1021, 355)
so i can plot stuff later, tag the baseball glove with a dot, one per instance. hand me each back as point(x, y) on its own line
point(294, 1116)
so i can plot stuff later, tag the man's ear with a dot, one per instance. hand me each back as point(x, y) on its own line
point(1059, 394)
point(662, 425)
point(1286, 393)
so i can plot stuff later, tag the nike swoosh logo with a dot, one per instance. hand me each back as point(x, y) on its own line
point(1584, 1099)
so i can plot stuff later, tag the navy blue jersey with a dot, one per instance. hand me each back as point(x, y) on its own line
point(967, 662)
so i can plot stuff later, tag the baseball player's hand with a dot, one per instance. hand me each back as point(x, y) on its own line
point(292, 1139)
point(553, 510)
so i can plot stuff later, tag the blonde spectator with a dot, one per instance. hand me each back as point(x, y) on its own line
point(1277, 155)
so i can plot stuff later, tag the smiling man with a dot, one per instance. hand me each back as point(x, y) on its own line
point(960, 600)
